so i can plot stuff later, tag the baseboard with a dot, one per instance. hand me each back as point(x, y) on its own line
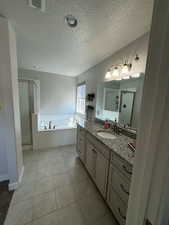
point(15, 185)
point(4, 177)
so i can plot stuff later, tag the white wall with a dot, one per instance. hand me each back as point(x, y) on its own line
point(57, 93)
point(11, 162)
point(96, 74)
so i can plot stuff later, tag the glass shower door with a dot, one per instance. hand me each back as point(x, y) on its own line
point(25, 112)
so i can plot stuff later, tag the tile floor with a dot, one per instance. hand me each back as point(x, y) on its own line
point(56, 190)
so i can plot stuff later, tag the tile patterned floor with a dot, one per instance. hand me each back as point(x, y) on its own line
point(56, 190)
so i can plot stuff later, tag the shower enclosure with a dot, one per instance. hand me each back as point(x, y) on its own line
point(28, 105)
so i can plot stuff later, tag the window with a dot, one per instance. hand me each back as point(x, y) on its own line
point(81, 96)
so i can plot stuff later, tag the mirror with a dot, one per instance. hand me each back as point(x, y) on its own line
point(120, 101)
point(111, 99)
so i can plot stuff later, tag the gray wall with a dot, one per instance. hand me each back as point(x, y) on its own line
point(57, 93)
point(11, 161)
point(96, 74)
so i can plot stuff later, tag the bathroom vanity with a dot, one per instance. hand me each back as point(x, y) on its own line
point(109, 163)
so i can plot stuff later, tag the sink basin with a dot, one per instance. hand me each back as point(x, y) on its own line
point(105, 134)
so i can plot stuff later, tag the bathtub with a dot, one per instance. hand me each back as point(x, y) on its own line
point(64, 132)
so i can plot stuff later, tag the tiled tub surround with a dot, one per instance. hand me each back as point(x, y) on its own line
point(56, 190)
point(118, 145)
point(109, 163)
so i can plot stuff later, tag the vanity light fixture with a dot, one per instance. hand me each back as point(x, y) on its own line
point(115, 72)
point(121, 71)
point(125, 77)
point(136, 57)
point(126, 68)
point(119, 78)
point(135, 75)
point(108, 75)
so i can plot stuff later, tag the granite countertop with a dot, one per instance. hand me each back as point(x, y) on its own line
point(119, 145)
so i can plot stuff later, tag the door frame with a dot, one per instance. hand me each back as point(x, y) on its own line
point(149, 193)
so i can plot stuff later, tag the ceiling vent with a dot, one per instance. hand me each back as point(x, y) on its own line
point(38, 4)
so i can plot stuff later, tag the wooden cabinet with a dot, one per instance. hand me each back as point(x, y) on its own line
point(119, 184)
point(117, 206)
point(123, 166)
point(119, 187)
point(102, 165)
point(111, 173)
point(91, 159)
point(97, 165)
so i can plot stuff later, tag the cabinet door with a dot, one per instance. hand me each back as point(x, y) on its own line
point(82, 150)
point(77, 141)
point(77, 145)
point(119, 183)
point(91, 159)
point(118, 207)
point(101, 173)
point(80, 146)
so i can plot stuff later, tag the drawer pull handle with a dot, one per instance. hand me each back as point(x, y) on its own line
point(126, 170)
point(123, 189)
point(123, 217)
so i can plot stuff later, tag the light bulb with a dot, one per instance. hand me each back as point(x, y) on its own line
point(108, 75)
point(116, 72)
point(125, 69)
point(126, 77)
point(119, 78)
point(135, 75)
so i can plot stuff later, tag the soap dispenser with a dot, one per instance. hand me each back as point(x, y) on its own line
point(106, 124)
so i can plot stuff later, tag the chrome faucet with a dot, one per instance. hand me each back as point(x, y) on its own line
point(116, 128)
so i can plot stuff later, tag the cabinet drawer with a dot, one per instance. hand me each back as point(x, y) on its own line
point(118, 208)
point(99, 146)
point(124, 167)
point(118, 183)
point(91, 159)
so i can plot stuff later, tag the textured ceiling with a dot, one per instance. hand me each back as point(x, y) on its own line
point(45, 41)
